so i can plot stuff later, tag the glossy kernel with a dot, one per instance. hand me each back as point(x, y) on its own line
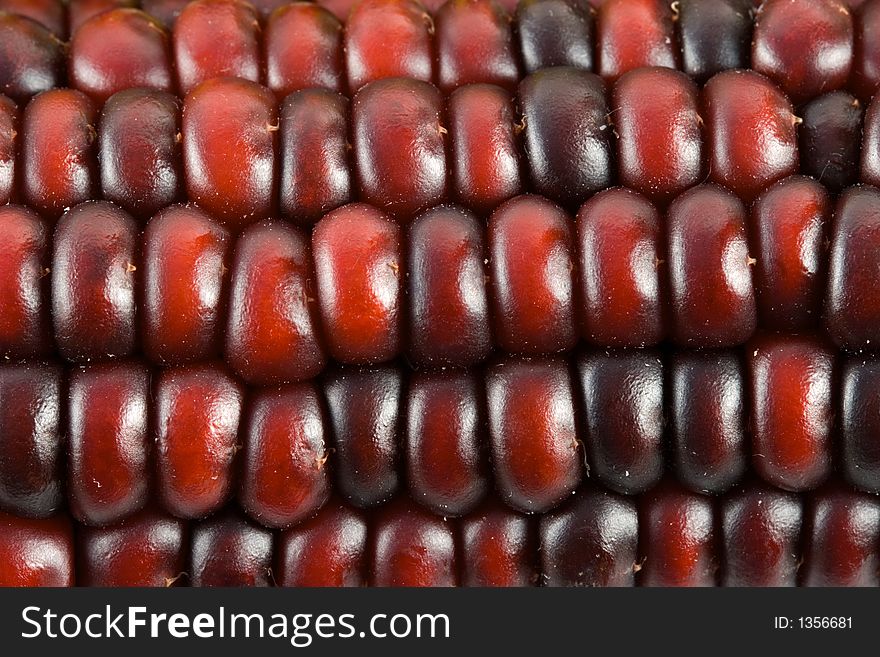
point(805, 46)
point(139, 151)
point(329, 549)
point(484, 146)
point(761, 536)
point(314, 175)
point(591, 541)
point(95, 270)
point(284, 471)
point(386, 39)
point(147, 550)
point(272, 335)
point(534, 297)
point(445, 461)
point(216, 38)
point(660, 143)
point(58, 158)
point(449, 323)
point(555, 33)
point(303, 49)
point(566, 134)
point(498, 547)
point(229, 131)
point(792, 395)
point(623, 401)
point(750, 125)
point(196, 422)
point(677, 538)
point(186, 256)
point(25, 325)
point(359, 274)
point(473, 39)
point(634, 33)
point(399, 144)
point(36, 552)
point(710, 269)
point(536, 455)
point(412, 547)
point(31, 439)
point(109, 447)
point(365, 416)
point(120, 49)
point(622, 281)
point(790, 223)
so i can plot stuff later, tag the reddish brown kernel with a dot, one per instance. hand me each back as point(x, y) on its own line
point(139, 151)
point(852, 309)
point(185, 256)
point(147, 549)
point(497, 547)
point(474, 44)
point(94, 280)
point(533, 297)
point(634, 33)
point(412, 547)
point(761, 536)
point(870, 160)
point(660, 144)
point(196, 417)
point(448, 298)
point(831, 140)
point(359, 271)
point(109, 447)
point(789, 227)
point(536, 454)
point(385, 39)
point(623, 410)
point(36, 552)
point(284, 472)
point(445, 464)
point(31, 58)
point(303, 48)
point(677, 538)
point(25, 326)
point(58, 153)
point(707, 391)
point(229, 130)
point(364, 412)
point(710, 269)
point(399, 145)
point(272, 335)
point(328, 549)
point(805, 46)
point(81, 11)
point(865, 77)
point(715, 35)
point(120, 49)
point(315, 176)
point(859, 422)
point(621, 276)
point(751, 132)
point(51, 14)
point(216, 38)
point(792, 394)
point(8, 148)
point(228, 550)
point(555, 33)
point(841, 534)
point(483, 146)
point(31, 439)
point(566, 134)
point(590, 541)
